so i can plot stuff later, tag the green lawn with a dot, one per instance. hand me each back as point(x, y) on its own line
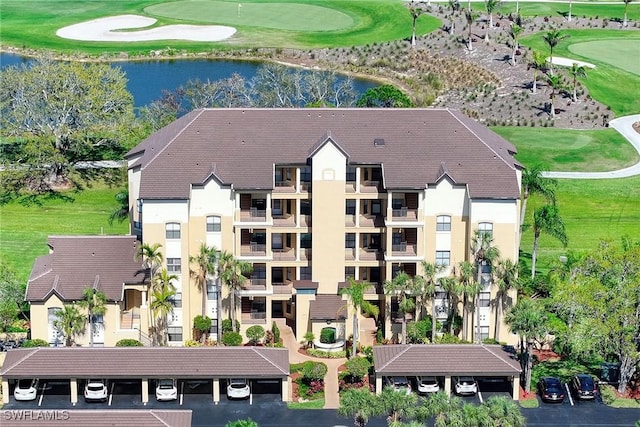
point(571, 150)
point(593, 9)
point(282, 24)
point(24, 229)
point(621, 53)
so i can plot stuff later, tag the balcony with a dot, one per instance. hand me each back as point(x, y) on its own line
point(253, 249)
point(349, 254)
point(350, 187)
point(403, 249)
point(370, 254)
point(284, 187)
point(255, 285)
point(305, 220)
point(349, 220)
point(305, 187)
point(369, 186)
point(253, 215)
point(305, 254)
point(404, 214)
point(284, 220)
point(282, 288)
point(371, 221)
point(284, 254)
point(255, 317)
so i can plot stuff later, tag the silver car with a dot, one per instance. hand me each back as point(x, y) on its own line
point(238, 388)
point(466, 385)
point(96, 391)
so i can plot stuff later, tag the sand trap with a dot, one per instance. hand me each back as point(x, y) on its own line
point(567, 62)
point(104, 29)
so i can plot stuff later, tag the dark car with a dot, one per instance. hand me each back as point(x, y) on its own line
point(551, 390)
point(8, 345)
point(583, 386)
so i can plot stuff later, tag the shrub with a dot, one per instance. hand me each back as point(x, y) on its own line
point(419, 332)
point(326, 354)
point(242, 423)
point(315, 371)
point(608, 394)
point(450, 339)
point(255, 333)
point(192, 343)
point(128, 342)
point(37, 342)
point(328, 335)
point(308, 338)
point(227, 326)
point(232, 339)
point(202, 323)
point(276, 332)
point(357, 367)
point(268, 338)
point(490, 341)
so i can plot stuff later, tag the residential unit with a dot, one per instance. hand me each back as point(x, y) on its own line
point(311, 197)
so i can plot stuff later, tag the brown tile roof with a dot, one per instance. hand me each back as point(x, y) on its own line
point(328, 307)
point(96, 418)
point(440, 359)
point(151, 362)
point(305, 284)
point(77, 262)
point(242, 145)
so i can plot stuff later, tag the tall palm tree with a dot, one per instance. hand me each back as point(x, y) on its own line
point(454, 5)
point(70, 322)
point(546, 219)
point(205, 265)
point(470, 17)
point(449, 285)
point(484, 253)
point(233, 274)
point(552, 38)
point(467, 289)
point(625, 21)
point(506, 280)
point(534, 183)
point(163, 283)
point(555, 83)
point(515, 32)
point(426, 286)
point(490, 6)
point(95, 302)
point(576, 71)
point(402, 287)
point(415, 14)
point(152, 258)
point(538, 63)
point(355, 292)
point(569, 17)
point(162, 307)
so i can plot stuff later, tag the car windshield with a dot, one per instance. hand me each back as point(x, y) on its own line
point(429, 381)
point(400, 382)
point(24, 384)
point(466, 381)
point(95, 387)
point(586, 383)
point(165, 384)
point(238, 383)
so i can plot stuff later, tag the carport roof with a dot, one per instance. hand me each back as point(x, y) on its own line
point(443, 359)
point(102, 418)
point(146, 362)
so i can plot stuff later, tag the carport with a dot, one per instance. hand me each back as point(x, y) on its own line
point(445, 360)
point(144, 363)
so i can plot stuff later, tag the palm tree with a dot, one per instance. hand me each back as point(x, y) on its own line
point(455, 6)
point(470, 17)
point(162, 307)
point(360, 404)
point(161, 285)
point(94, 301)
point(415, 14)
point(122, 212)
point(527, 319)
point(151, 261)
point(576, 71)
point(625, 22)
point(546, 219)
point(506, 279)
point(515, 32)
point(490, 6)
point(552, 38)
point(232, 274)
point(426, 286)
point(449, 285)
point(534, 183)
point(205, 265)
point(70, 322)
point(355, 292)
point(538, 63)
point(163, 280)
point(402, 286)
point(484, 253)
point(501, 408)
point(555, 83)
point(467, 288)
point(569, 17)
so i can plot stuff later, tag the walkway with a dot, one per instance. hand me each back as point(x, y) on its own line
point(624, 125)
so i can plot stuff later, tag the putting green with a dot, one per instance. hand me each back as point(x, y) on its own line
point(617, 52)
point(279, 16)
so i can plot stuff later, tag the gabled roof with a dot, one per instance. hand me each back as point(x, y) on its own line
point(244, 144)
point(149, 362)
point(102, 418)
point(328, 307)
point(78, 262)
point(441, 359)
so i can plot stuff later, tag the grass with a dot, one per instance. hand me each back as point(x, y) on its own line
point(529, 403)
point(282, 24)
point(311, 404)
point(556, 9)
point(24, 229)
point(571, 150)
point(614, 54)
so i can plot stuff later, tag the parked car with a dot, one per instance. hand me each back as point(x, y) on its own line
point(399, 384)
point(166, 389)
point(96, 391)
point(427, 385)
point(551, 390)
point(583, 386)
point(238, 388)
point(466, 385)
point(26, 389)
point(9, 344)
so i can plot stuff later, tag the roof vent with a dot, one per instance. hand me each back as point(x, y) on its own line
point(378, 142)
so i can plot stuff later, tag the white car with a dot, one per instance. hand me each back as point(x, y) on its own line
point(96, 390)
point(26, 389)
point(238, 388)
point(466, 385)
point(427, 385)
point(399, 384)
point(166, 389)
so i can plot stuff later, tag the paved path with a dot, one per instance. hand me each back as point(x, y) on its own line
point(624, 125)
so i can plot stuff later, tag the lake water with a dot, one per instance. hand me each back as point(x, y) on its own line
point(147, 79)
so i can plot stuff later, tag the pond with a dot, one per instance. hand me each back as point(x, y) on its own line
point(147, 79)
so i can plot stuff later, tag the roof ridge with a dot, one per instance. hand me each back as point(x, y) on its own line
point(6, 369)
point(400, 353)
point(255, 350)
point(487, 348)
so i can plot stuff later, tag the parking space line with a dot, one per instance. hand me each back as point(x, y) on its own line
point(566, 386)
point(181, 392)
point(41, 394)
point(111, 394)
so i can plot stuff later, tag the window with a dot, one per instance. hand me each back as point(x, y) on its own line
point(484, 299)
point(350, 240)
point(305, 273)
point(486, 228)
point(214, 328)
point(305, 207)
point(305, 241)
point(172, 230)
point(350, 207)
point(259, 272)
point(259, 237)
point(175, 333)
point(212, 292)
point(443, 258)
point(349, 272)
point(396, 203)
point(483, 332)
point(443, 223)
point(276, 242)
point(305, 174)
point(376, 207)
point(176, 300)
point(173, 265)
point(276, 207)
point(214, 224)
point(351, 173)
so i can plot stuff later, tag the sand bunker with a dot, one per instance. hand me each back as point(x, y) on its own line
point(104, 29)
point(568, 62)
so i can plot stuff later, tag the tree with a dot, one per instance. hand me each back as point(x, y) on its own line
point(95, 302)
point(454, 5)
point(555, 83)
point(506, 280)
point(255, 333)
point(469, 17)
point(398, 407)
point(552, 38)
point(242, 423)
point(484, 253)
point(569, 17)
point(202, 325)
point(152, 258)
point(232, 274)
point(467, 288)
point(415, 14)
point(355, 292)
point(121, 213)
point(529, 320)
point(533, 182)
point(205, 265)
point(576, 71)
point(450, 285)
point(402, 287)
point(538, 63)
point(426, 287)
point(384, 96)
point(360, 404)
point(490, 6)
point(232, 339)
point(162, 307)
point(546, 219)
point(70, 322)
point(625, 22)
point(12, 293)
point(515, 32)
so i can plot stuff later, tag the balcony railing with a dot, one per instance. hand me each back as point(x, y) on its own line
point(369, 186)
point(282, 288)
point(305, 254)
point(255, 317)
point(370, 254)
point(305, 187)
point(284, 254)
point(349, 220)
point(349, 254)
point(403, 248)
point(284, 220)
point(350, 187)
point(284, 187)
point(255, 285)
point(305, 220)
point(253, 215)
point(405, 214)
point(369, 220)
point(253, 249)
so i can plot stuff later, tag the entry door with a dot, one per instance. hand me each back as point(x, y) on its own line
point(98, 330)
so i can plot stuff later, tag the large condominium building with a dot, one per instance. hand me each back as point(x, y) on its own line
point(311, 197)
